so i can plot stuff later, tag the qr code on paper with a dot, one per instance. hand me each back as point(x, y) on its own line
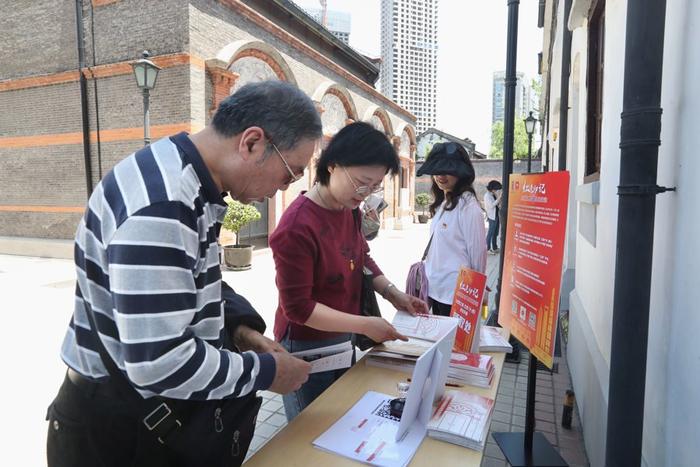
point(383, 410)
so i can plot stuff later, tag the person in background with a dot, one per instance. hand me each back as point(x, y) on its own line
point(457, 227)
point(492, 204)
point(320, 253)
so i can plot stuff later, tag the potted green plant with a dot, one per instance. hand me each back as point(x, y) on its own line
point(239, 257)
point(422, 200)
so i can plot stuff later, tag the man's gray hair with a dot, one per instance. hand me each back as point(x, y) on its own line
point(281, 109)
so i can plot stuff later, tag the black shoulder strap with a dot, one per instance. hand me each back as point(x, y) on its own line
point(427, 248)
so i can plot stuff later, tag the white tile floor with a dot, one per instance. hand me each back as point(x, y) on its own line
point(271, 419)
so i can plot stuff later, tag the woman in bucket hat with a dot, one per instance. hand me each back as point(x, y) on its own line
point(457, 228)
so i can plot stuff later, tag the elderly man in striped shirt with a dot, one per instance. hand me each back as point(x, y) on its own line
point(149, 283)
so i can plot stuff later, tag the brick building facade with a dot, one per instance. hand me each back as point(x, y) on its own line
point(206, 49)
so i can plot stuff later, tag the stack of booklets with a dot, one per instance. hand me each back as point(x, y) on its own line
point(462, 418)
point(491, 340)
point(465, 368)
point(471, 368)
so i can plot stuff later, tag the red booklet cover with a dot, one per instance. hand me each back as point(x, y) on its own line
point(466, 306)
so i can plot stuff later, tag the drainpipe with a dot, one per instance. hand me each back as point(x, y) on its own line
point(564, 99)
point(508, 128)
point(639, 150)
point(83, 96)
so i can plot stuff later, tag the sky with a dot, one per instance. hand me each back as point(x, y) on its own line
point(471, 46)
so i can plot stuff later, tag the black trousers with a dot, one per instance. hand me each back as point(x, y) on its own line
point(442, 309)
point(92, 428)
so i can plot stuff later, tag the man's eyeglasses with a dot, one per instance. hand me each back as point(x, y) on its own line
point(292, 176)
point(363, 190)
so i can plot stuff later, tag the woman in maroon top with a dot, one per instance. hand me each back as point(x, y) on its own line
point(320, 252)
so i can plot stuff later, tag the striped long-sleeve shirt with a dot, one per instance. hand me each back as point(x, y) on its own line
point(147, 261)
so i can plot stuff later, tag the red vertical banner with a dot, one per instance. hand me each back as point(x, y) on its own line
point(466, 306)
point(532, 262)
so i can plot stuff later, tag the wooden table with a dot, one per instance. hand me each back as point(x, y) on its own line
point(293, 445)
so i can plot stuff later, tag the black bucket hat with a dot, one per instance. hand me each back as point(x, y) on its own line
point(448, 159)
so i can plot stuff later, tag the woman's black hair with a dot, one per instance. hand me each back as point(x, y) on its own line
point(465, 183)
point(357, 144)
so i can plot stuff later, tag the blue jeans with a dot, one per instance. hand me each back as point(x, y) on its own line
point(492, 235)
point(296, 401)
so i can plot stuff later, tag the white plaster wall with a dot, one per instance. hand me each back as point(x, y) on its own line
point(661, 306)
point(680, 292)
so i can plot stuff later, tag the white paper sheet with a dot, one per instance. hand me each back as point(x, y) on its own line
point(332, 357)
point(367, 434)
point(332, 362)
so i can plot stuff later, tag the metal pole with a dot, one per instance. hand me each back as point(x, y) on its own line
point(529, 153)
point(640, 133)
point(508, 128)
point(564, 97)
point(530, 408)
point(146, 118)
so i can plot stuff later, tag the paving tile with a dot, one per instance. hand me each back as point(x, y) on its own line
point(574, 455)
point(507, 376)
point(256, 443)
point(544, 416)
point(506, 385)
point(549, 408)
point(506, 399)
point(501, 417)
point(518, 420)
point(266, 430)
point(570, 443)
point(272, 405)
point(492, 450)
point(540, 398)
point(277, 420)
point(570, 434)
point(519, 410)
point(502, 407)
point(263, 415)
point(497, 427)
point(545, 427)
point(519, 402)
point(492, 462)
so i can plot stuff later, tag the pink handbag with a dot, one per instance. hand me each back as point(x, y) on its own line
point(417, 280)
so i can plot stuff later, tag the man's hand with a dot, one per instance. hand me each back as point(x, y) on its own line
point(380, 330)
point(404, 302)
point(247, 338)
point(290, 374)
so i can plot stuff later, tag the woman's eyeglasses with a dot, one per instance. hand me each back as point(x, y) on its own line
point(363, 190)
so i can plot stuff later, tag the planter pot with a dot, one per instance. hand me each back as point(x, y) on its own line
point(423, 218)
point(238, 257)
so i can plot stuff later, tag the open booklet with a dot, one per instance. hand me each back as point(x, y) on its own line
point(422, 331)
point(368, 432)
